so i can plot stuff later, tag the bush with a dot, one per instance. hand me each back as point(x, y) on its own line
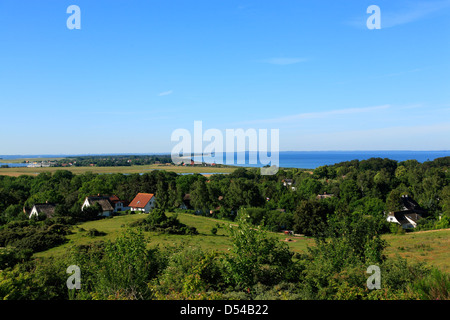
point(433, 286)
point(10, 257)
point(189, 272)
point(95, 233)
point(126, 268)
point(157, 221)
point(33, 237)
point(256, 257)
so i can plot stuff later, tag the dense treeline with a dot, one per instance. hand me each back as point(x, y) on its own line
point(114, 161)
point(347, 226)
point(368, 187)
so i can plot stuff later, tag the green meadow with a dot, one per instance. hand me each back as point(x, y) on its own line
point(18, 171)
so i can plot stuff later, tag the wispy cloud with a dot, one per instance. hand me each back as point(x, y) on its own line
point(165, 93)
point(412, 12)
point(322, 114)
point(407, 137)
point(386, 75)
point(283, 61)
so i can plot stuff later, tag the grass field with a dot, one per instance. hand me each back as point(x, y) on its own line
point(432, 247)
point(428, 246)
point(205, 239)
point(125, 170)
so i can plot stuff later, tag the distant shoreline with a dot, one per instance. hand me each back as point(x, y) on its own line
point(36, 156)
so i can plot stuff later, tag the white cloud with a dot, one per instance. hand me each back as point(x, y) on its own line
point(165, 93)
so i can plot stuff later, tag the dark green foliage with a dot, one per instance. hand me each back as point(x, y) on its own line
point(95, 233)
point(158, 221)
point(10, 257)
point(35, 237)
point(257, 258)
point(114, 161)
point(310, 217)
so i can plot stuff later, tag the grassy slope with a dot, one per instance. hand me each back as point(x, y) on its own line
point(428, 246)
point(113, 227)
point(431, 247)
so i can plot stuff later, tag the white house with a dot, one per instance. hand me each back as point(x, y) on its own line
point(46, 209)
point(410, 214)
point(406, 219)
point(109, 204)
point(143, 202)
point(105, 204)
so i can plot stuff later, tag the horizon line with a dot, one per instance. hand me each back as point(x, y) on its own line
point(169, 153)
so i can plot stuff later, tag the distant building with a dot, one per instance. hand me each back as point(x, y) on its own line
point(143, 202)
point(288, 183)
point(109, 204)
point(42, 209)
point(119, 205)
point(324, 196)
point(410, 214)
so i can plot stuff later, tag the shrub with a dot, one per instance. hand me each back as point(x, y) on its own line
point(433, 286)
point(126, 268)
point(10, 257)
point(95, 233)
point(189, 272)
point(256, 257)
point(157, 221)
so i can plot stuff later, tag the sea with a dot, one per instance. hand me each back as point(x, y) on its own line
point(292, 159)
point(314, 159)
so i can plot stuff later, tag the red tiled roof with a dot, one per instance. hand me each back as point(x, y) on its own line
point(141, 200)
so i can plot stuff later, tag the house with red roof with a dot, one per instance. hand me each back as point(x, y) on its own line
point(143, 202)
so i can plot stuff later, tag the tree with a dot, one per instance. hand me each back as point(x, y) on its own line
point(310, 217)
point(162, 195)
point(256, 257)
point(200, 196)
point(394, 201)
point(126, 268)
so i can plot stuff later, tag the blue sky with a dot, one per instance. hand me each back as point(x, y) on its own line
point(138, 70)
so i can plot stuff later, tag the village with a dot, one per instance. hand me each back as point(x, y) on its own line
point(143, 203)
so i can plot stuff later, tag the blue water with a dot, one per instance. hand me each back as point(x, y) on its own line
point(12, 165)
point(314, 159)
point(310, 159)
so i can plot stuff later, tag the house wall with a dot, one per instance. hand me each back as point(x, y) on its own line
point(85, 204)
point(33, 213)
point(148, 207)
point(391, 219)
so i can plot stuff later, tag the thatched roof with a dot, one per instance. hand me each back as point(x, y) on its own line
point(47, 209)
